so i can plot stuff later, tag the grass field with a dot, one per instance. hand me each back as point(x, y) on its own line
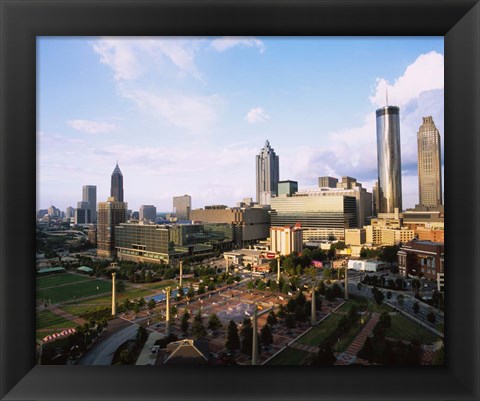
point(49, 320)
point(347, 339)
point(403, 328)
point(319, 333)
point(289, 356)
point(80, 309)
point(362, 304)
point(59, 279)
point(74, 291)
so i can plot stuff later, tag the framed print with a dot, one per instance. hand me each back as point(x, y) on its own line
point(33, 33)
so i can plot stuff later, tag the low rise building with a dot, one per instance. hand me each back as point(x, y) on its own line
point(421, 259)
point(355, 236)
point(367, 265)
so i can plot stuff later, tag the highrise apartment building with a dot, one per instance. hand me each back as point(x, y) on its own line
point(110, 214)
point(267, 174)
point(429, 164)
point(116, 189)
point(182, 205)
point(389, 160)
point(89, 195)
point(286, 240)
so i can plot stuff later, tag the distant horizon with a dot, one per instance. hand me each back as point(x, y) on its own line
point(189, 115)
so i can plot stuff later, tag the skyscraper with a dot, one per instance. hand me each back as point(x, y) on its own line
point(148, 212)
point(268, 173)
point(389, 159)
point(89, 195)
point(110, 214)
point(429, 164)
point(182, 206)
point(116, 189)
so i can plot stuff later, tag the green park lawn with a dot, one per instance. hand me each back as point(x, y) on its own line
point(59, 279)
point(68, 293)
point(348, 337)
point(49, 320)
point(404, 329)
point(289, 356)
point(320, 332)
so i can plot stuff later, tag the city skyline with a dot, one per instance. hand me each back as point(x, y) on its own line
point(196, 112)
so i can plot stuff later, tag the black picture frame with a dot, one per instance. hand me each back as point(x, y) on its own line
point(21, 21)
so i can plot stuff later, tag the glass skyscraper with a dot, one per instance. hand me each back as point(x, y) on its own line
point(89, 195)
point(116, 189)
point(268, 173)
point(389, 160)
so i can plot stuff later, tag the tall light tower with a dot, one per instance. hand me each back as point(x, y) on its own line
point(313, 318)
point(346, 281)
point(180, 284)
point(167, 312)
point(114, 301)
point(255, 338)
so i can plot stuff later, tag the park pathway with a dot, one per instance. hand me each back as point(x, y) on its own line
point(68, 316)
point(350, 355)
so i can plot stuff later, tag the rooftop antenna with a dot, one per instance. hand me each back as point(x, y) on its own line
point(386, 92)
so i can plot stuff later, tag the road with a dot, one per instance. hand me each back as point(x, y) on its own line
point(102, 353)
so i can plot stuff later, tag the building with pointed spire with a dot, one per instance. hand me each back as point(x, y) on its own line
point(116, 189)
point(267, 174)
point(429, 164)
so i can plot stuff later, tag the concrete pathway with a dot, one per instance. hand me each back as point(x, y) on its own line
point(68, 316)
point(146, 357)
point(350, 355)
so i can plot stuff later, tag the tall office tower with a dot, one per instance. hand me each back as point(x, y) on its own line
point(375, 200)
point(148, 212)
point(389, 160)
point(110, 214)
point(116, 189)
point(69, 212)
point(182, 206)
point(429, 164)
point(89, 194)
point(327, 182)
point(268, 173)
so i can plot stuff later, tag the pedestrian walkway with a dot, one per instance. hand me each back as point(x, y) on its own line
point(304, 347)
point(350, 355)
point(147, 357)
point(66, 315)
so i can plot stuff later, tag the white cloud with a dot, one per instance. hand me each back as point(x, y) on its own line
point(130, 58)
point(92, 127)
point(257, 115)
point(195, 113)
point(228, 42)
point(424, 74)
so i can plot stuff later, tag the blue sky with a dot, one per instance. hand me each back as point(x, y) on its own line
point(188, 115)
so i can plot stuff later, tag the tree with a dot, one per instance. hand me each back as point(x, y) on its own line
point(120, 285)
point(377, 295)
point(389, 295)
point(201, 289)
point(185, 324)
point(233, 340)
point(272, 319)
point(324, 357)
point(321, 287)
point(289, 321)
point(127, 304)
point(142, 302)
point(136, 308)
point(337, 291)
point(142, 335)
point(266, 336)
point(191, 292)
point(214, 323)
point(329, 295)
point(389, 253)
point(198, 329)
point(151, 304)
point(416, 307)
point(379, 331)
point(327, 273)
point(385, 320)
point(431, 317)
point(400, 299)
point(148, 277)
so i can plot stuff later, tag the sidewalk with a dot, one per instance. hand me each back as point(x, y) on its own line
point(146, 357)
point(349, 356)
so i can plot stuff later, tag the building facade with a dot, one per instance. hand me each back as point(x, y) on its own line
point(286, 240)
point(148, 212)
point(116, 188)
point(355, 236)
point(429, 164)
point(327, 182)
point(182, 205)
point(110, 214)
point(287, 187)
point(389, 159)
point(321, 217)
point(421, 259)
point(89, 195)
point(267, 174)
